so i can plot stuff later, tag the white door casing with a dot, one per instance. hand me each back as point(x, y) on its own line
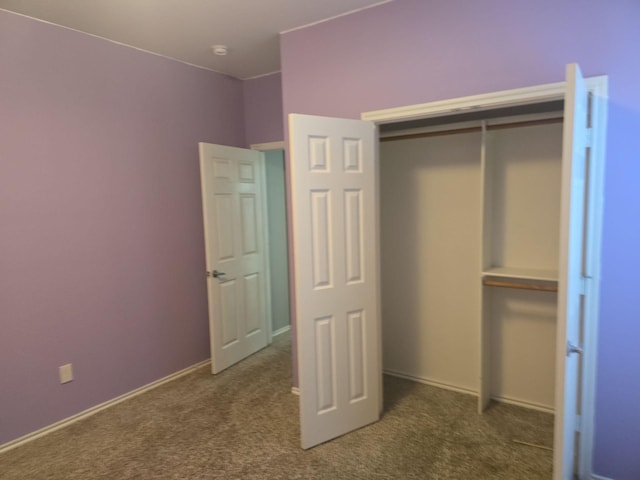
point(570, 281)
point(235, 248)
point(335, 229)
point(598, 87)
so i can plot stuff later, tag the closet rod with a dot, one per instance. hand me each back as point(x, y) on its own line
point(520, 285)
point(455, 131)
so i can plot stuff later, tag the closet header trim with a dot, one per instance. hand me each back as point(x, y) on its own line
point(455, 131)
point(488, 101)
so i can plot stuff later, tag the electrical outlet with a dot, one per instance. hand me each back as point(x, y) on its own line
point(66, 373)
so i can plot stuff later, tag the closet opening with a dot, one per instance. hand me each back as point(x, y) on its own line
point(469, 221)
point(503, 211)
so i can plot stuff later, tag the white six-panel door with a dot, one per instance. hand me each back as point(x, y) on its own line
point(334, 202)
point(571, 283)
point(237, 286)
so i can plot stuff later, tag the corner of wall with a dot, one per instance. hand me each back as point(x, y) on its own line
point(262, 109)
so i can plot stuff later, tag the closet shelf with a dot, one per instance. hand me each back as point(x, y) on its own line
point(520, 285)
point(517, 273)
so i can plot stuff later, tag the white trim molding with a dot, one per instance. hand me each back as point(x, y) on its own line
point(262, 75)
point(433, 383)
point(467, 391)
point(282, 330)
point(487, 101)
point(524, 404)
point(115, 42)
point(599, 89)
point(506, 98)
point(102, 406)
point(307, 25)
point(264, 147)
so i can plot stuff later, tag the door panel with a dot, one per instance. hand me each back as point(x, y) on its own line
point(335, 198)
point(325, 363)
point(320, 235)
point(357, 360)
point(251, 301)
point(224, 213)
point(570, 292)
point(228, 294)
point(249, 234)
point(234, 225)
point(353, 223)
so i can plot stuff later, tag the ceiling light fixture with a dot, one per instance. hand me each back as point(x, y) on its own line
point(219, 49)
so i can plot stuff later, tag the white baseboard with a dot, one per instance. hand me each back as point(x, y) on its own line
point(102, 406)
point(282, 330)
point(469, 391)
point(433, 383)
point(525, 404)
point(295, 391)
point(599, 477)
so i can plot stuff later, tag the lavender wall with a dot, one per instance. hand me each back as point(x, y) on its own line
point(263, 109)
point(413, 51)
point(101, 243)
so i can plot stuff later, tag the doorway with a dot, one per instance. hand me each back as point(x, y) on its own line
point(277, 231)
point(237, 198)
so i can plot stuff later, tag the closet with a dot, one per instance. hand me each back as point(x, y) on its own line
point(470, 213)
point(455, 243)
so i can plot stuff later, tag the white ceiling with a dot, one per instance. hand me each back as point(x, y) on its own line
point(186, 29)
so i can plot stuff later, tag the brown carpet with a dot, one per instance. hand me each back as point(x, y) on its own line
point(243, 424)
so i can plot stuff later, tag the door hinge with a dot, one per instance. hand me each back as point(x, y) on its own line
point(584, 285)
point(572, 348)
point(588, 137)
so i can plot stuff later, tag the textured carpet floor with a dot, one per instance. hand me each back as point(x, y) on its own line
point(243, 424)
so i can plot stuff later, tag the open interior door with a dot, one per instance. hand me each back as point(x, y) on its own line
point(234, 231)
point(571, 282)
point(335, 227)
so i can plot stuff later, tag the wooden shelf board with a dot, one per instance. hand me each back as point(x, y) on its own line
point(522, 273)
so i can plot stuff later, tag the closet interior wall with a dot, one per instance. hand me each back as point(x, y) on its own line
point(469, 254)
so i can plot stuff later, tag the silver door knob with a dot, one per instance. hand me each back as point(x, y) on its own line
point(217, 274)
point(571, 348)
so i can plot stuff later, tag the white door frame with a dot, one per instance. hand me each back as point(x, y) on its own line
point(265, 147)
point(598, 88)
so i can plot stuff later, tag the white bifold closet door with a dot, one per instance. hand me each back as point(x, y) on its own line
point(571, 280)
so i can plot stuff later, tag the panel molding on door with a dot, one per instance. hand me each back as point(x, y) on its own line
point(232, 198)
point(335, 229)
